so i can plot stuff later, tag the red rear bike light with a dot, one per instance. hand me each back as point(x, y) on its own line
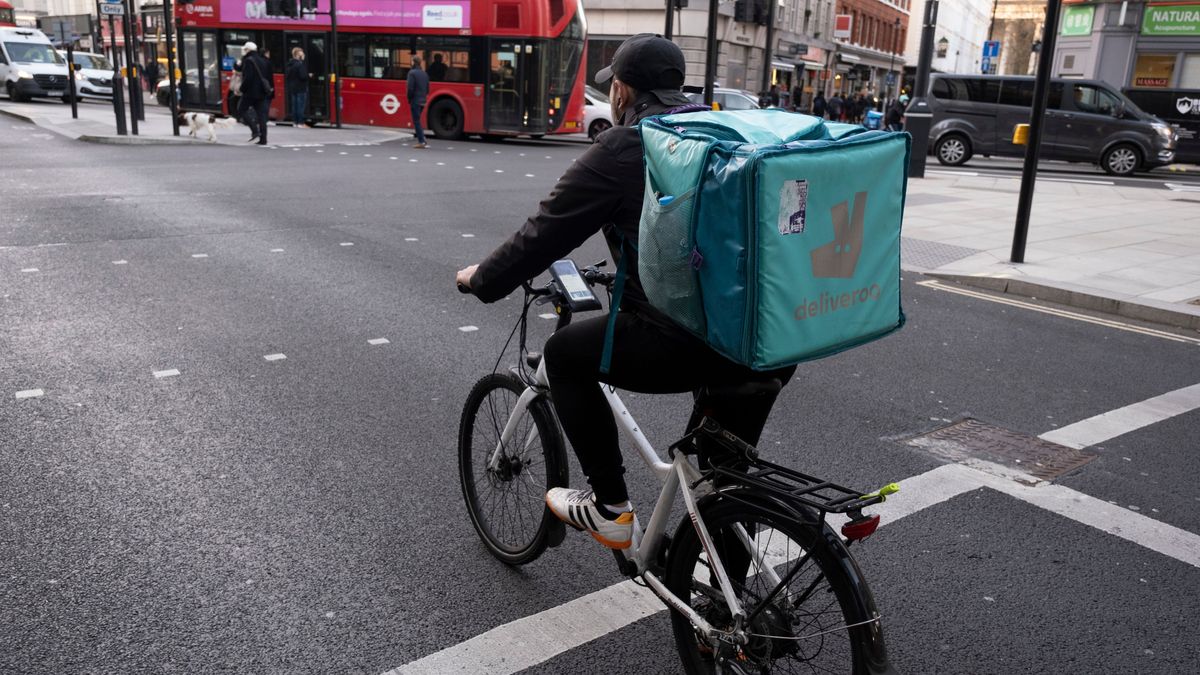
point(861, 528)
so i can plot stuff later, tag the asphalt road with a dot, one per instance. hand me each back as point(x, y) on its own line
point(303, 514)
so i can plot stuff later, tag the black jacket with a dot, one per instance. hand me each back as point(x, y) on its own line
point(600, 191)
point(257, 79)
point(296, 76)
point(417, 86)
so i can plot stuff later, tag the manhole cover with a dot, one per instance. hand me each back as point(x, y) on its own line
point(972, 439)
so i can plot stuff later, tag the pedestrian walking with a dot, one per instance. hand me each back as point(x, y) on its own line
point(797, 98)
point(895, 114)
point(835, 107)
point(296, 77)
point(818, 105)
point(773, 96)
point(150, 75)
point(860, 107)
point(417, 91)
point(257, 92)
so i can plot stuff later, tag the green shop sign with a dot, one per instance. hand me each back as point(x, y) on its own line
point(1171, 20)
point(1077, 20)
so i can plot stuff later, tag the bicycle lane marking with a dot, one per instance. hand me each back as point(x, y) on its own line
point(547, 634)
point(537, 638)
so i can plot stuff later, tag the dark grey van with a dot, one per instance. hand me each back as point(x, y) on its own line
point(1086, 121)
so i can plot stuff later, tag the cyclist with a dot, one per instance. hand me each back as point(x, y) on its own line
point(602, 191)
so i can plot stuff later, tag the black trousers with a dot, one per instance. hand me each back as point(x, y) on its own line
point(255, 113)
point(646, 359)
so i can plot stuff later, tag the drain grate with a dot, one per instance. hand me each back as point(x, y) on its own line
point(972, 439)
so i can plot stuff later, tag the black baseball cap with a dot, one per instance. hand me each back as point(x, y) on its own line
point(649, 63)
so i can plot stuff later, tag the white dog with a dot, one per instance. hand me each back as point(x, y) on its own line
point(197, 122)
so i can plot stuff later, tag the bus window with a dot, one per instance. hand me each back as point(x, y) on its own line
point(352, 55)
point(391, 57)
point(447, 59)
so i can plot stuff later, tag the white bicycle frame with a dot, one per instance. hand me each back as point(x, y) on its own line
point(677, 475)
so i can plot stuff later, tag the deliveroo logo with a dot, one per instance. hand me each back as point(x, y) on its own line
point(839, 258)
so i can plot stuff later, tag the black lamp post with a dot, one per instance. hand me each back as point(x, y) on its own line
point(892, 65)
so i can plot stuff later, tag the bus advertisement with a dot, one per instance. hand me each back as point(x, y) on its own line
point(496, 67)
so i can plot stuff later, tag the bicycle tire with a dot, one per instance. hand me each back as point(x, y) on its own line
point(524, 526)
point(850, 645)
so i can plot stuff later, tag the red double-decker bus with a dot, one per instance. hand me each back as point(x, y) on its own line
point(7, 17)
point(496, 67)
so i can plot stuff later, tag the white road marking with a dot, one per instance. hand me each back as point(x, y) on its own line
point(469, 167)
point(499, 170)
point(468, 236)
point(468, 329)
point(1076, 180)
point(120, 262)
point(1180, 187)
point(951, 173)
point(495, 152)
point(547, 316)
point(30, 393)
point(529, 175)
point(412, 161)
point(276, 250)
point(275, 357)
point(474, 150)
point(170, 372)
point(441, 164)
point(199, 255)
point(411, 239)
point(1121, 421)
point(343, 153)
point(31, 269)
point(547, 156)
point(346, 243)
point(320, 151)
point(522, 154)
point(366, 155)
point(393, 158)
point(937, 285)
point(544, 635)
point(378, 341)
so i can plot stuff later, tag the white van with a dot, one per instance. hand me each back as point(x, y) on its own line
point(93, 74)
point(29, 66)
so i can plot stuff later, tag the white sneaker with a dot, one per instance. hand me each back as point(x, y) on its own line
point(577, 508)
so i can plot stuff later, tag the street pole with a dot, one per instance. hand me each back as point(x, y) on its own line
point(337, 81)
point(169, 29)
point(892, 66)
point(1041, 87)
point(62, 36)
point(918, 117)
point(669, 29)
point(710, 59)
point(769, 52)
point(129, 70)
point(118, 103)
point(135, 48)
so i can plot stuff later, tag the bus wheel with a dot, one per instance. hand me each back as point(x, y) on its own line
point(446, 119)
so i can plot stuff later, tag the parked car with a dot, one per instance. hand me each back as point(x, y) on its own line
point(727, 99)
point(93, 75)
point(597, 113)
point(29, 66)
point(1086, 121)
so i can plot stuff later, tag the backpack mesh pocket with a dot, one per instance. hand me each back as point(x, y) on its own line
point(667, 259)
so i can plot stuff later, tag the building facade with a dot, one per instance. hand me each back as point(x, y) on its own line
point(1130, 45)
point(962, 28)
point(800, 62)
point(871, 58)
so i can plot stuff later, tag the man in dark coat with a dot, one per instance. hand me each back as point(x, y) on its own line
point(602, 191)
point(417, 92)
point(818, 105)
point(257, 91)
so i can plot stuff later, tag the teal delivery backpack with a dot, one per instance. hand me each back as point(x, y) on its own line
point(773, 236)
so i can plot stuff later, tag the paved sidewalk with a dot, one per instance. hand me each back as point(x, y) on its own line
point(97, 124)
point(1124, 250)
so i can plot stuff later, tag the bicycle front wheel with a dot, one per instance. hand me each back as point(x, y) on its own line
point(808, 608)
point(505, 486)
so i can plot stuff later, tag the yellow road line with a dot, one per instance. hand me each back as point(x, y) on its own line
point(937, 285)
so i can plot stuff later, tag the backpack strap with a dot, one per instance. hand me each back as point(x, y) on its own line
point(615, 305)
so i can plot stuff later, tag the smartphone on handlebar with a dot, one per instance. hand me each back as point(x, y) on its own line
point(578, 295)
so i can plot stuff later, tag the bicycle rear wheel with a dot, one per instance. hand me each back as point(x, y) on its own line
point(818, 617)
point(507, 502)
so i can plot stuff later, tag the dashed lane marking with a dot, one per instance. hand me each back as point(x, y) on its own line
point(366, 155)
point(276, 250)
point(499, 170)
point(170, 372)
point(529, 175)
point(952, 173)
point(275, 357)
point(412, 161)
point(378, 341)
point(468, 236)
point(937, 285)
point(468, 167)
point(411, 239)
point(120, 262)
point(199, 255)
point(1076, 180)
point(1180, 187)
point(30, 269)
point(1121, 421)
point(393, 158)
point(468, 329)
point(441, 164)
point(30, 393)
point(346, 243)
